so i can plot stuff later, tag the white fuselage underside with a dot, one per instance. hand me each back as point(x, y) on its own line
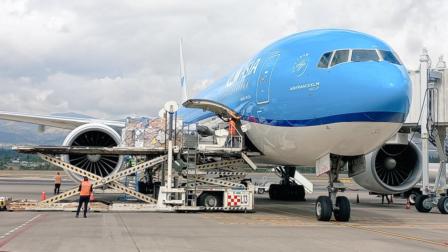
point(304, 145)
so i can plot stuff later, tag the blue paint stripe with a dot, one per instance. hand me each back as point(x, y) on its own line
point(395, 117)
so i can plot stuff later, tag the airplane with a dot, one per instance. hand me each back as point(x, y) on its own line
point(328, 98)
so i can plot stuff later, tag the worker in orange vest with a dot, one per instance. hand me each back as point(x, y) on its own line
point(232, 127)
point(57, 183)
point(233, 134)
point(85, 189)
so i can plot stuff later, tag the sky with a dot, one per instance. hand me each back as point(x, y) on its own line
point(111, 59)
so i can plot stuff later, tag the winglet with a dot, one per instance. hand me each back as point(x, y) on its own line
point(183, 81)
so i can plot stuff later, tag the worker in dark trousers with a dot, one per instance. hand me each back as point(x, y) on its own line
point(85, 189)
point(57, 183)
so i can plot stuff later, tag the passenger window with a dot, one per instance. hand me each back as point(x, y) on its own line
point(389, 56)
point(340, 56)
point(323, 63)
point(364, 55)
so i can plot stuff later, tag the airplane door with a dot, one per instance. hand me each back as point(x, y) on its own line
point(264, 79)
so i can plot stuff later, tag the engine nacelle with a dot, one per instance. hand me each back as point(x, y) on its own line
point(391, 169)
point(93, 134)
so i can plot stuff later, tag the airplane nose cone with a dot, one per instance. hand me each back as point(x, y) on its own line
point(382, 88)
point(394, 89)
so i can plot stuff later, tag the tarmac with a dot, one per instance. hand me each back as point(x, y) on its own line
point(275, 226)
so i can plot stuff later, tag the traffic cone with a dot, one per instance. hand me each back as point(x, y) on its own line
point(43, 196)
point(357, 198)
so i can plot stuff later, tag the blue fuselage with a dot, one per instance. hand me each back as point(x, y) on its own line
point(315, 78)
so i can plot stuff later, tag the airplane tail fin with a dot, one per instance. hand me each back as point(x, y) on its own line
point(183, 80)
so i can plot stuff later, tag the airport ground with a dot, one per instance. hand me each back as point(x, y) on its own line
point(276, 226)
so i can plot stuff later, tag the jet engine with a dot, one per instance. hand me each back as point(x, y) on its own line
point(89, 135)
point(391, 169)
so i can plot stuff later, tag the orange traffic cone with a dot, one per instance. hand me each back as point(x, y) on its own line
point(43, 196)
point(92, 198)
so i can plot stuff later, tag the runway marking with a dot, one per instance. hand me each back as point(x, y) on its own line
point(396, 235)
point(16, 231)
point(362, 227)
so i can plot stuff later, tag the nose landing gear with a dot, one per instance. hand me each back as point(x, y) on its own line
point(339, 206)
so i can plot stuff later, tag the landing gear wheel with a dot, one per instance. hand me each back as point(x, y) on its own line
point(342, 212)
point(260, 190)
point(412, 197)
point(287, 192)
point(423, 203)
point(299, 193)
point(324, 208)
point(443, 205)
point(273, 191)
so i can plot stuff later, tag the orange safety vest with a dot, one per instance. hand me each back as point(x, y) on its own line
point(57, 179)
point(85, 188)
point(232, 128)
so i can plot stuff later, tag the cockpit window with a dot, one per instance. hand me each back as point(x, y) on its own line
point(324, 60)
point(390, 56)
point(364, 55)
point(340, 56)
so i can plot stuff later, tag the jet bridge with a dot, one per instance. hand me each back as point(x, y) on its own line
point(429, 117)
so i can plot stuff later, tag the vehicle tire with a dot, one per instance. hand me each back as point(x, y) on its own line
point(342, 213)
point(423, 203)
point(209, 200)
point(443, 205)
point(260, 190)
point(323, 208)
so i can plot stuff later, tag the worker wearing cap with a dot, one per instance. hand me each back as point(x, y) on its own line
point(85, 189)
point(57, 183)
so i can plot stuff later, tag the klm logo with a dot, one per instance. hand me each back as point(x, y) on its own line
point(300, 65)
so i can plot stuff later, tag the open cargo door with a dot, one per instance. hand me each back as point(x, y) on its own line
point(219, 109)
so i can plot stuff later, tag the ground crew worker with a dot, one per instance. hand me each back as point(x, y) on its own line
point(232, 127)
point(233, 133)
point(85, 189)
point(57, 183)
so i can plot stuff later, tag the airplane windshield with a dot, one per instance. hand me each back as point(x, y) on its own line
point(324, 60)
point(357, 55)
point(340, 56)
point(364, 55)
point(390, 56)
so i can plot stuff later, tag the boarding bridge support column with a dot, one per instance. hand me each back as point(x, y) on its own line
point(424, 65)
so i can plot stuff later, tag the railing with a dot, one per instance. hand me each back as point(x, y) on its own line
point(220, 140)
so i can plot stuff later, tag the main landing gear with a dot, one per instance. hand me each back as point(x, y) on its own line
point(339, 206)
point(424, 203)
point(287, 190)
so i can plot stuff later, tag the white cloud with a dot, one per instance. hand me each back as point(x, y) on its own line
point(112, 58)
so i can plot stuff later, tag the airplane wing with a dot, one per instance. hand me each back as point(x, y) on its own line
point(57, 121)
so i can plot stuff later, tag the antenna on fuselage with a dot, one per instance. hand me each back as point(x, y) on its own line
point(183, 80)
